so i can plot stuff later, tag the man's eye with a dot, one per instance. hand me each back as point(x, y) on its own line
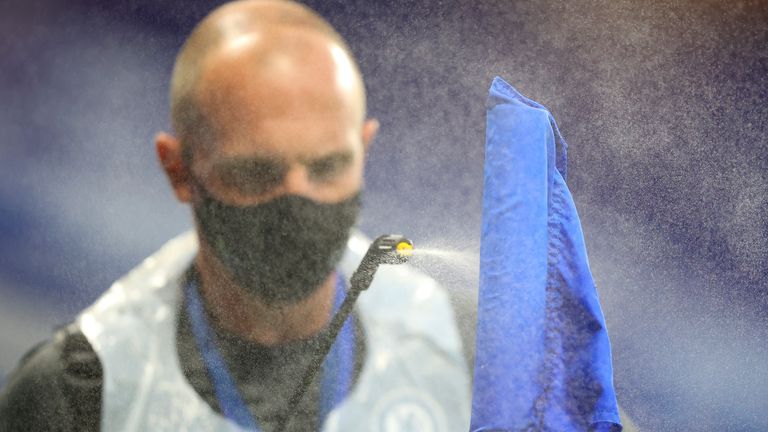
point(327, 169)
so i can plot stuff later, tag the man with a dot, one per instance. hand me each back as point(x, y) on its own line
point(214, 331)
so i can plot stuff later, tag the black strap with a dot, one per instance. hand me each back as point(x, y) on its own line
point(82, 380)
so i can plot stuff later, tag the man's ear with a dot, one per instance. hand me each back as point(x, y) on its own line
point(169, 153)
point(370, 129)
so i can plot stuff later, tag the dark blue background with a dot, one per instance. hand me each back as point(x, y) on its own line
point(665, 108)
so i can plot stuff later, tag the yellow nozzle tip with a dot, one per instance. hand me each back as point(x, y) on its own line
point(404, 248)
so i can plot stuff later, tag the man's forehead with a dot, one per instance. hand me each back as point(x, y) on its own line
point(268, 74)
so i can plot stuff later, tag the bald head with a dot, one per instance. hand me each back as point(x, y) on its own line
point(266, 100)
point(250, 58)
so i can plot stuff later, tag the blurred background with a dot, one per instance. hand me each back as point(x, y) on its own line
point(664, 105)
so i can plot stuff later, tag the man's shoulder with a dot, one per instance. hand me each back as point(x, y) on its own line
point(56, 383)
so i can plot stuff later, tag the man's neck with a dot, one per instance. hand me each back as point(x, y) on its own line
point(240, 313)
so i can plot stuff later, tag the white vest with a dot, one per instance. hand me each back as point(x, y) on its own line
point(414, 377)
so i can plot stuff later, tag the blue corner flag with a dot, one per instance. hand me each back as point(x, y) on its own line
point(543, 359)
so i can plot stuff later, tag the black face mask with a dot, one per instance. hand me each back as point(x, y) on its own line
point(281, 250)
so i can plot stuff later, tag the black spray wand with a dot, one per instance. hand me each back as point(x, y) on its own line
point(387, 249)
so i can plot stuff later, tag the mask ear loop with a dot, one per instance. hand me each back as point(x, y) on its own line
point(198, 186)
point(187, 158)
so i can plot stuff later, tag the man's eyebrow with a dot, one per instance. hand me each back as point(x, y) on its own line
point(245, 162)
point(338, 156)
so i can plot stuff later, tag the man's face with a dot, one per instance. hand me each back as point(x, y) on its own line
point(275, 187)
point(281, 127)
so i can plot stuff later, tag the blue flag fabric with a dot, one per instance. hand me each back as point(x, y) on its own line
point(543, 359)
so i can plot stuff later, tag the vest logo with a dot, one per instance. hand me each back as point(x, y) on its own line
point(408, 410)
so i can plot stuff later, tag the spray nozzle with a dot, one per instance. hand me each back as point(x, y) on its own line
point(387, 249)
point(390, 249)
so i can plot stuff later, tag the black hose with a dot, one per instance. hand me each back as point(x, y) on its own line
point(384, 250)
